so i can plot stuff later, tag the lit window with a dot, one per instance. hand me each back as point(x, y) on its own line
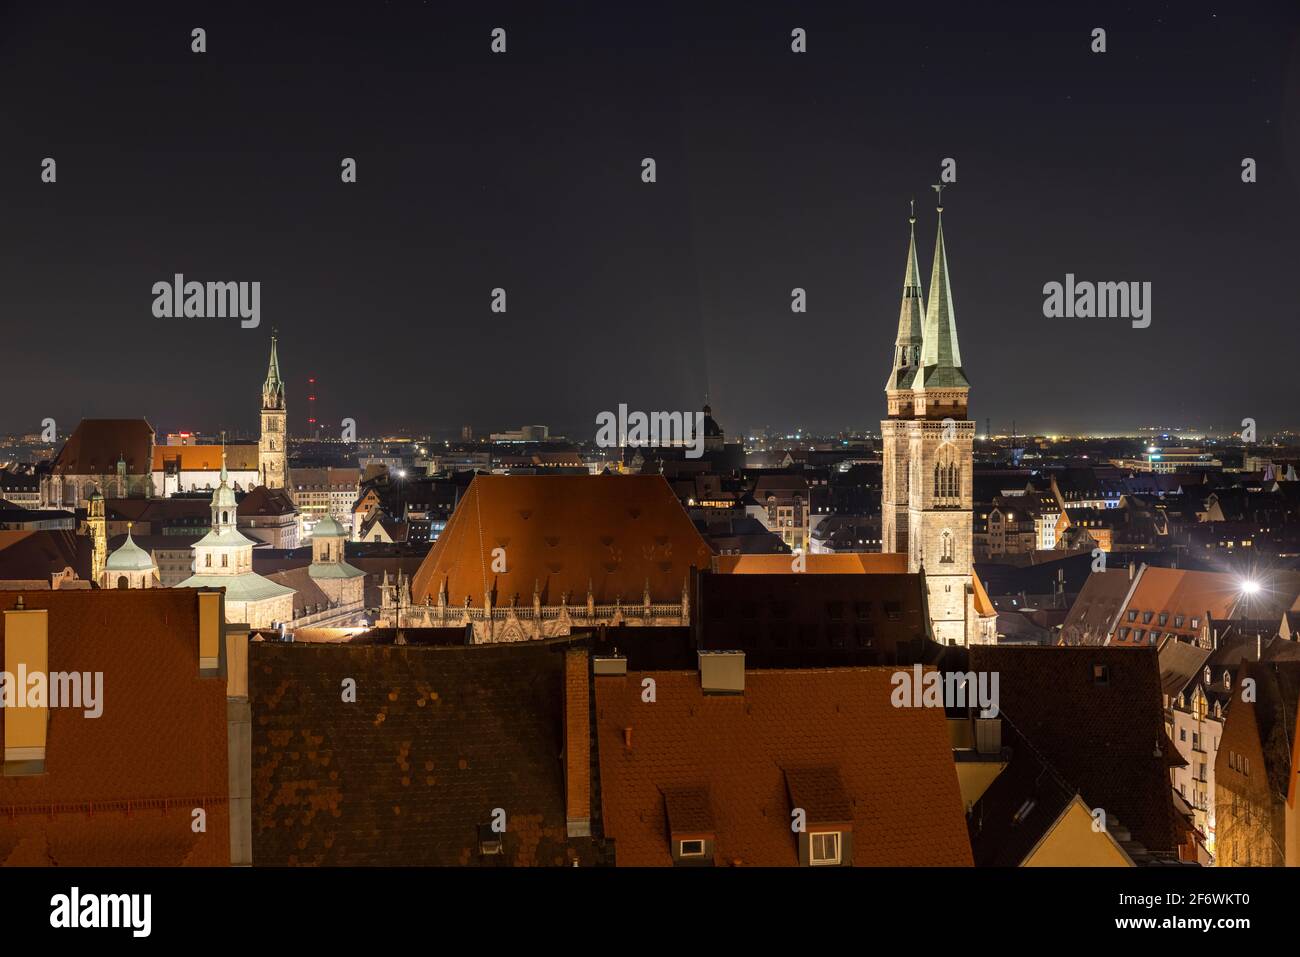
point(824, 848)
point(690, 848)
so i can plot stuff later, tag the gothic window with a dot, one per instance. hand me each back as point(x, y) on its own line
point(947, 479)
point(946, 547)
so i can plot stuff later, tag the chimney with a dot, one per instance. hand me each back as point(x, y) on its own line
point(211, 632)
point(627, 738)
point(1132, 568)
point(722, 672)
point(577, 743)
point(27, 652)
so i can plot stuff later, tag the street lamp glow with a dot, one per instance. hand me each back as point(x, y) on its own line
point(1249, 586)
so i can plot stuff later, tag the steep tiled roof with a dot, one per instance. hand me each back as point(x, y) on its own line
point(40, 554)
point(1018, 808)
point(895, 766)
point(96, 444)
point(438, 738)
point(125, 783)
point(1180, 664)
point(1102, 738)
point(562, 533)
point(1093, 611)
point(266, 502)
point(1176, 592)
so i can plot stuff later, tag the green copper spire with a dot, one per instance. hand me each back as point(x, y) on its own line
point(940, 355)
point(273, 388)
point(907, 347)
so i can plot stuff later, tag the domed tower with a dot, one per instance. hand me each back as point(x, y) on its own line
point(130, 566)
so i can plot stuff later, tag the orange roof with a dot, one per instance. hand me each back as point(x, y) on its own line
point(983, 606)
point(206, 458)
point(562, 533)
point(830, 735)
point(852, 563)
point(123, 785)
point(1177, 592)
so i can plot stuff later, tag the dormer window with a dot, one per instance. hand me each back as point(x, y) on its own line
point(1209, 676)
point(1227, 680)
point(824, 848)
point(1133, 616)
point(819, 800)
point(1101, 674)
point(690, 826)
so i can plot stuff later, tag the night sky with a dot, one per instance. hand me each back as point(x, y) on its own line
point(522, 170)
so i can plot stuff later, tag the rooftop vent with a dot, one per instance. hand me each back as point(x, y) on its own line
point(489, 841)
point(722, 672)
point(609, 665)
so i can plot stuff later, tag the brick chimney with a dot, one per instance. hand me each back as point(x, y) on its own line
point(27, 652)
point(577, 743)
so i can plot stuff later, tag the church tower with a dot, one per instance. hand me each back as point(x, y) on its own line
point(898, 395)
point(97, 523)
point(273, 447)
point(940, 466)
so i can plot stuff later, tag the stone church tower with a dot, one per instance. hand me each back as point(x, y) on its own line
point(928, 455)
point(898, 395)
point(273, 447)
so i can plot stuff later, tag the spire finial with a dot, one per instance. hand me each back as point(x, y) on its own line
point(911, 215)
point(938, 188)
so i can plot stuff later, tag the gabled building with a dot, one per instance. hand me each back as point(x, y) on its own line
point(197, 468)
point(529, 556)
point(732, 767)
point(1255, 770)
point(113, 455)
point(269, 515)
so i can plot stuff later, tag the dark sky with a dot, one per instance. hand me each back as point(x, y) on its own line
point(522, 171)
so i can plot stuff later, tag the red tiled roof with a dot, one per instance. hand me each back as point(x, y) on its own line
point(96, 444)
point(123, 785)
point(1176, 592)
point(832, 737)
point(561, 533)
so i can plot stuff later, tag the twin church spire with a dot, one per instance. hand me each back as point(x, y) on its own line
point(927, 357)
